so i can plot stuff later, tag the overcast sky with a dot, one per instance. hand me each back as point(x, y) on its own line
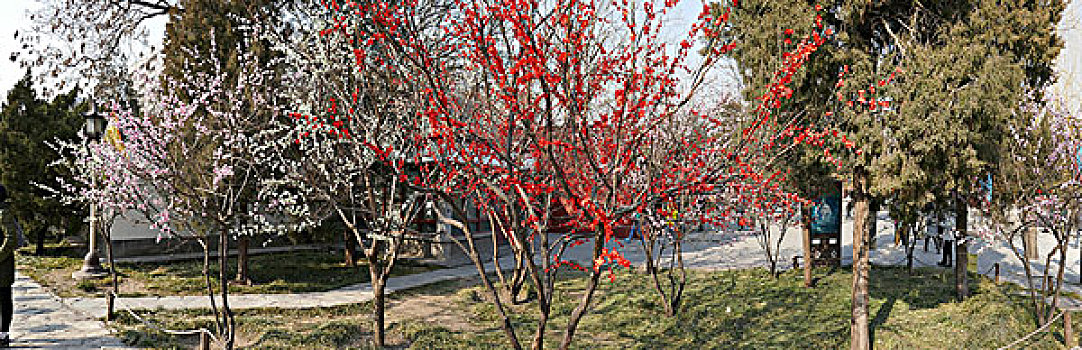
point(13, 16)
point(1070, 59)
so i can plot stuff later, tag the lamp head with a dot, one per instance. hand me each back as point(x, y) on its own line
point(95, 124)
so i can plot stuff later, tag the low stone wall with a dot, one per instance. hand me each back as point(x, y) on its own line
point(439, 250)
point(167, 246)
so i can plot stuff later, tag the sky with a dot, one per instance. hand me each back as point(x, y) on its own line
point(13, 17)
point(1069, 65)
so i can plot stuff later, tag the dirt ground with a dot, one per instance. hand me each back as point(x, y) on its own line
point(434, 305)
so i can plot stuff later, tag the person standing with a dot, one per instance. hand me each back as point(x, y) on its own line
point(8, 237)
point(947, 239)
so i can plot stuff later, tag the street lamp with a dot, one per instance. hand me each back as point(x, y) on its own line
point(94, 129)
point(95, 125)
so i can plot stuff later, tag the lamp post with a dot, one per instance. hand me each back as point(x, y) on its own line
point(94, 129)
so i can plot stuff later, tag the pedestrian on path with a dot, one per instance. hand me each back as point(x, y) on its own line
point(8, 237)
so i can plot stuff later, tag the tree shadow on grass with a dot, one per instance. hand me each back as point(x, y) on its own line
point(815, 280)
point(881, 316)
point(926, 288)
point(747, 309)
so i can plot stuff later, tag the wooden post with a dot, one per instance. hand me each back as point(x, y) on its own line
point(996, 267)
point(109, 306)
point(204, 341)
point(1068, 335)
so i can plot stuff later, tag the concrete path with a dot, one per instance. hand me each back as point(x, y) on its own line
point(41, 321)
point(719, 251)
point(722, 251)
point(44, 321)
point(95, 307)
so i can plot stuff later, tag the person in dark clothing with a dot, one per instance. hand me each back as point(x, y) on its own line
point(948, 245)
point(8, 235)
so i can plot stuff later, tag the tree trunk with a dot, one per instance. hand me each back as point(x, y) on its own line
point(375, 274)
point(911, 244)
point(210, 286)
point(544, 297)
point(542, 321)
point(648, 262)
point(351, 248)
point(859, 332)
point(805, 228)
point(773, 268)
point(772, 261)
point(471, 251)
point(111, 297)
point(39, 249)
point(518, 281)
point(1058, 283)
point(242, 260)
point(379, 306)
point(580, 310)
point(961, 251)
point(677, 283)
point(584, 302)
point(229, 323)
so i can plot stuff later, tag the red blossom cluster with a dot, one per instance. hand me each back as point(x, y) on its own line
point(532, 109)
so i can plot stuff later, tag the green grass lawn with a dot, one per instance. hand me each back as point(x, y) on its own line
point(293, 272)
point(742, 309)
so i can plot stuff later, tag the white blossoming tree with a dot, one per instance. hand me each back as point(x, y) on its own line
point(350, 151)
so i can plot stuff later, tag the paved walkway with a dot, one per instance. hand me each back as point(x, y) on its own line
point(42, 322)
point(95, 307)
point(711, 251)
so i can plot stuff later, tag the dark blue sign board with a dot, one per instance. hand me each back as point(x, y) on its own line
point(826, 215)
point(825, 226)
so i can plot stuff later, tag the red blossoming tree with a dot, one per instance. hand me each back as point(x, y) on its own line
point(576, 108)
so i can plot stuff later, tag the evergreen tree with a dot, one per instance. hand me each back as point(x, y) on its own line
point(927, 90)
point(26, 124)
